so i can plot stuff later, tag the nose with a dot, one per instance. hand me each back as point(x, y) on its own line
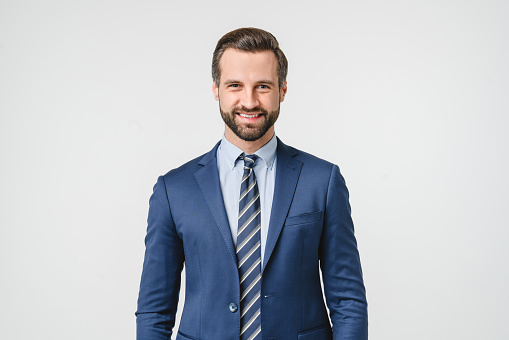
point(249, 99)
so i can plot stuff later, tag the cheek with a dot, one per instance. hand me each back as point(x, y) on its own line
point(272, 102)
point(227, 99)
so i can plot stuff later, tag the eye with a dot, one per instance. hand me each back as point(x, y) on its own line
point(264, 87)
point(234, 86)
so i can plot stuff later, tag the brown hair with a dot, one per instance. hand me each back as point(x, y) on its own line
point(249, 40)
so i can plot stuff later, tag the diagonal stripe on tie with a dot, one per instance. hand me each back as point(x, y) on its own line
point(252, 252)
point(246, 224)
point(248, 238)
point(250, 304)
point(249, 253)
point(250, 322)
point(251, 285)
point(257, 331)
point(248, 189)
point(250, 270)
point(249, 204)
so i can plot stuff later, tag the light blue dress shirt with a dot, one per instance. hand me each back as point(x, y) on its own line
point(231, 170)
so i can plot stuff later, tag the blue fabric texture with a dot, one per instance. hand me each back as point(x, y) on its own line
point(310, 230)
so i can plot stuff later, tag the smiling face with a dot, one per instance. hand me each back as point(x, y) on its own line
point(249, 97)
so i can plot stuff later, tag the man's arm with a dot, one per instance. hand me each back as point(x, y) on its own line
point(160, 280)
point(341, 267)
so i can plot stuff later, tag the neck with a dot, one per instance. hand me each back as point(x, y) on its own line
point(248, 147)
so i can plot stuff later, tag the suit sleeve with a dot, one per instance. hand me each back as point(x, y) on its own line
point(340, 264)
point(160, 280)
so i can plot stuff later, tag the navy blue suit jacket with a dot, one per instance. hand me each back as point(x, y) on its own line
point(310, 229)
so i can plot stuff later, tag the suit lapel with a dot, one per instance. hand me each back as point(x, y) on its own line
point(287, 176)
point(208, 180)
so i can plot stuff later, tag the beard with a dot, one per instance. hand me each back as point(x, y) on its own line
point(249, 132)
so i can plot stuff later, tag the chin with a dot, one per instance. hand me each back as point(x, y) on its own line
point(249, 136)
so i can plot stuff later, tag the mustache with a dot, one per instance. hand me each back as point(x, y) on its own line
point(244, 109)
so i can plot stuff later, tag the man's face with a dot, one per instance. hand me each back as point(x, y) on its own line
point(248, 93)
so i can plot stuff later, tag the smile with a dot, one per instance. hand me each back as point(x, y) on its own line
point(248, 116)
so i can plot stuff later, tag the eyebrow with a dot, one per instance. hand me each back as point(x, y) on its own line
point(232, 81)
point(268, 82)
point(227, 82)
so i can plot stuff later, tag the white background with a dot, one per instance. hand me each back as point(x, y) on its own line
point(410, 98)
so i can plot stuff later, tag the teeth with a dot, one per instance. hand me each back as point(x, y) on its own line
point(248, 116)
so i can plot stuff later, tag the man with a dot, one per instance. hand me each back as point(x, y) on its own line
point(253, 220)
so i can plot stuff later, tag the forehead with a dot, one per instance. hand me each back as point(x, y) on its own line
point(248, 65)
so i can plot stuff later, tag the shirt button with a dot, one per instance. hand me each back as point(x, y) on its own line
point(233, 307)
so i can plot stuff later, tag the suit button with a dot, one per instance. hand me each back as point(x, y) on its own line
point(233, 307)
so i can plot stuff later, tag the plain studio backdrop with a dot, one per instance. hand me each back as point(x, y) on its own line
point(409, 98)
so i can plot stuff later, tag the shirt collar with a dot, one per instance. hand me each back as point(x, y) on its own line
point(231, 153)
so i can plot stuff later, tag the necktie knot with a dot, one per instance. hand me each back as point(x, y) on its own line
point(249, 160)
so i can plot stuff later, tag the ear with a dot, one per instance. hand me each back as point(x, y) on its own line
point(282, 92)
point(215, 90)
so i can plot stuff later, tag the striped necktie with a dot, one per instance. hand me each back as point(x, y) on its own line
point(249, 253)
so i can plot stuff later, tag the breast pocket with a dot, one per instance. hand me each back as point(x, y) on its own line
point(321, 333)
point(303, 218)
